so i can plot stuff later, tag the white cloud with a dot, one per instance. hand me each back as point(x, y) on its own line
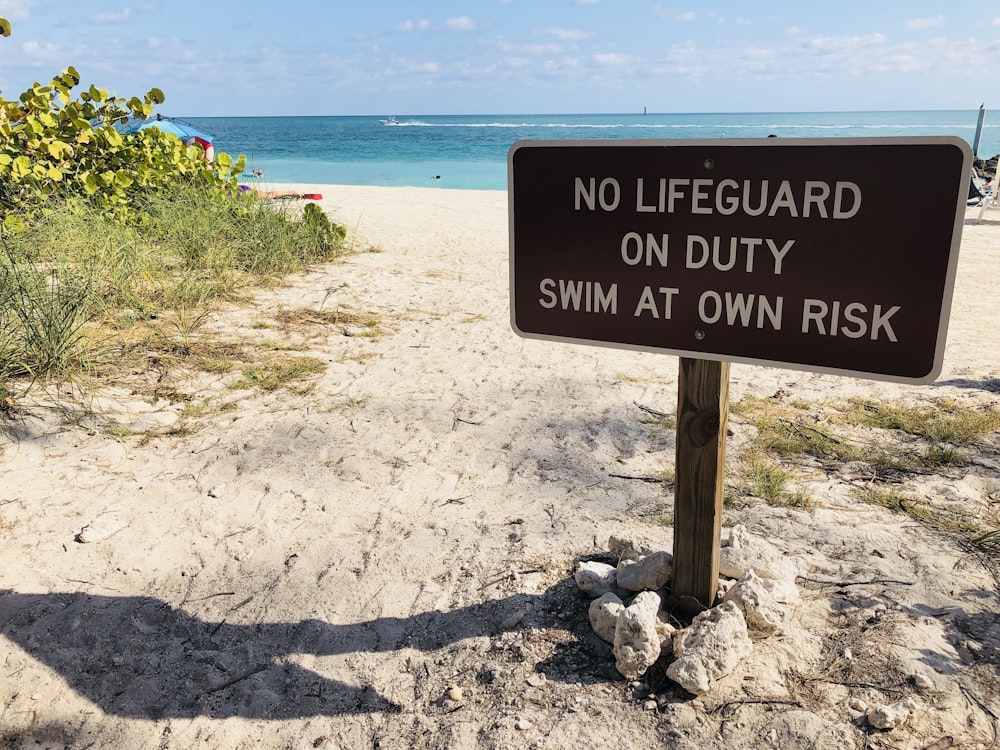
point(38, 52)
point(610, 59)
point(553, 48)
point(672, 14)
point(924, 23)
point(567, 35)
point(541, 49)
point(805, 55)
point(686, 59)
point(845, 42)
point(518, 62)
point(120, 17)
point(16, 10)
point(422, 25)
point(462, 23)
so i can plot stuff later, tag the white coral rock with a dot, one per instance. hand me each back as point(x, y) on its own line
point(892, 715)
point(767, 562)
point(648, 574)
point(625, 547)
point(637, 642)
point(596, 578)
point(710, 649)
point(603, 614)
point(765, 602)
point(737, 537)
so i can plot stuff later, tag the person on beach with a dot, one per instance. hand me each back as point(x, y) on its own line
point(207, 149)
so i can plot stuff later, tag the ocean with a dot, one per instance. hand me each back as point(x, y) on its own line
point(470, 151)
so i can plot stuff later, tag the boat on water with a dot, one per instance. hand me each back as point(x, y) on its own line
point(390, 120)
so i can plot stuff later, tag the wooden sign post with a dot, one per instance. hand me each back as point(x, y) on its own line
point(702, 413)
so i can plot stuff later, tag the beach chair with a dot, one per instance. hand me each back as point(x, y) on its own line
point(986, 196)
point(977, 190)
point(981, 195)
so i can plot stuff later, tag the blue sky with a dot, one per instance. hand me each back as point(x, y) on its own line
point(339, 57)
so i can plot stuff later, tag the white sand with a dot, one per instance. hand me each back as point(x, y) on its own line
point(316, 569)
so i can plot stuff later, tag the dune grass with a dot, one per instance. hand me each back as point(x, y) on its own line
point(888, 444)
point(883, 451)
point(76, 283)
point(766, 479)
point(277, 372)
point(944, 422)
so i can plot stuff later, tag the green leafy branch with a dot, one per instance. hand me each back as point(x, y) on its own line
point(54, 144)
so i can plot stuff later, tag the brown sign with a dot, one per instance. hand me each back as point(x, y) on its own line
point(833, 255)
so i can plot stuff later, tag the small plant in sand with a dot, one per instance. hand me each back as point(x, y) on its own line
point(44, 311)
point(658, 423)
point(324, 233)
point(941, 518)
point(828, 434)
point(784, 430)
point(207, 407)
point(366, 325)
point(278, 372)
point(660, 513)
point(886, 444)
point(944, 422)
point(989, 540)
point(770, 482)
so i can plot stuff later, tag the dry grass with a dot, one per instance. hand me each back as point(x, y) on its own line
point(883, 451)
point(767, 480)
point(303, 317)
point(278, 372)
point(943, 422)
point(167, 357)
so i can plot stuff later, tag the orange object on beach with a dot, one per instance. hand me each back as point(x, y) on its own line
point(279, 195)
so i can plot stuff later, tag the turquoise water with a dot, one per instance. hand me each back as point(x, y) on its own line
point(471, 151)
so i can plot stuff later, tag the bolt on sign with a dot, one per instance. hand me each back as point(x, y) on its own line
point(827, 255)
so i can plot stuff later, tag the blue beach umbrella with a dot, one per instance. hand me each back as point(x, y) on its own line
point(183, 130)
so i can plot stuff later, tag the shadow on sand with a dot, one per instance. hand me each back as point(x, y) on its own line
point(139, 657)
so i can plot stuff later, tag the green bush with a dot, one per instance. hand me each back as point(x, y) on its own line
point(52, 145)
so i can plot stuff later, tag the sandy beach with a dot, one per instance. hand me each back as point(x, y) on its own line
point(383, 557)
